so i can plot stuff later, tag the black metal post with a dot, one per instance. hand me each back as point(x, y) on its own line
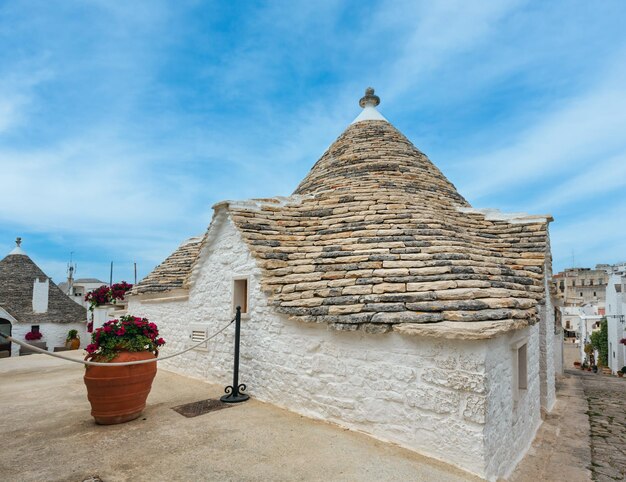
point(233, 392)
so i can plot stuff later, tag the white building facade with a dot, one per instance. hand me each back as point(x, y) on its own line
point(616, 318)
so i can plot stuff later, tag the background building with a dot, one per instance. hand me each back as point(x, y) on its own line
point(580, 286)
point(77, 289)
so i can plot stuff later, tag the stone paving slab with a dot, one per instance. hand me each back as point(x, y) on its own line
point(606, 396)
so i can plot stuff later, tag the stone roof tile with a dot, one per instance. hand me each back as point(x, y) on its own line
point(375, 236)
point(171, 273)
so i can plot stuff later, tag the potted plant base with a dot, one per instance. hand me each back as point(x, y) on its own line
point(72, 341)
point(118, 394)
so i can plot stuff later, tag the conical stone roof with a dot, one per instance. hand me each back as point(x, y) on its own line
point(376, 238)
point(17, 275)
point(372, 155)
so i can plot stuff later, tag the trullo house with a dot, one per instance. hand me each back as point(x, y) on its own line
point(31, 302)
point(375, 297)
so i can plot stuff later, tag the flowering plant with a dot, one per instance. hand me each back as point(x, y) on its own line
point(623, 341)
point(33, 335)
point(118, 290)
point(129, 333)
point(107, 294)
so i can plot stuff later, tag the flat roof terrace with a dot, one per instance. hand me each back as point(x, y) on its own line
point(48, 434)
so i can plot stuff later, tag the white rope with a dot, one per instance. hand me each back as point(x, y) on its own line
point(103, 364)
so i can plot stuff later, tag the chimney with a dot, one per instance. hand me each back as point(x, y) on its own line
point(40, 295)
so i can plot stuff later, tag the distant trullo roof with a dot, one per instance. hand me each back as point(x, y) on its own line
point(375, 237)
point(17, 275)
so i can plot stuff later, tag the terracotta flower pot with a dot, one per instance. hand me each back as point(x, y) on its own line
point(118, 393)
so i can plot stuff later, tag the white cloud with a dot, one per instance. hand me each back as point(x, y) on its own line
point(435, 34)
point(17, 87)
point(560, 143)
point(599, 237)
point(599, 179)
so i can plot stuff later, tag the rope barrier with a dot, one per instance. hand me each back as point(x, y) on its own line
point(102, 364)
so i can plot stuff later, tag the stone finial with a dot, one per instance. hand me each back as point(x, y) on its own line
point(18, 241)
point(369, 98)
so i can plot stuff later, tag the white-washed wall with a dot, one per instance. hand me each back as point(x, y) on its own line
point(428, 395)
point(511, 425)
point(53, 334)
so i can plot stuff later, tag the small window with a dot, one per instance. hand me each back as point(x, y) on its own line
point(520, 369)
point(594, 294)
point(240, 295)
point(581, 293)
point(34, 328)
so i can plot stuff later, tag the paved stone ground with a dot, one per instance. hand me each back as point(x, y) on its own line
point(560, 451)
point(606, 396)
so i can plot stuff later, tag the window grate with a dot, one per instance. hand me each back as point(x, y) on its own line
point(198, 332)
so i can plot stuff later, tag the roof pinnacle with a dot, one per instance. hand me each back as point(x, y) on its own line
point(18, 247)
point(369, 98)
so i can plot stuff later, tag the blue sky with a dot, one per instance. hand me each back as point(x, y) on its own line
point(122, 123)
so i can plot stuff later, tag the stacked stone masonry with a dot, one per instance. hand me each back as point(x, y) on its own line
point(172, 272)
point(374, 237)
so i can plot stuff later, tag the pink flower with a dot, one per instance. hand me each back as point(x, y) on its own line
point(160, 342)
point(91, 348)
